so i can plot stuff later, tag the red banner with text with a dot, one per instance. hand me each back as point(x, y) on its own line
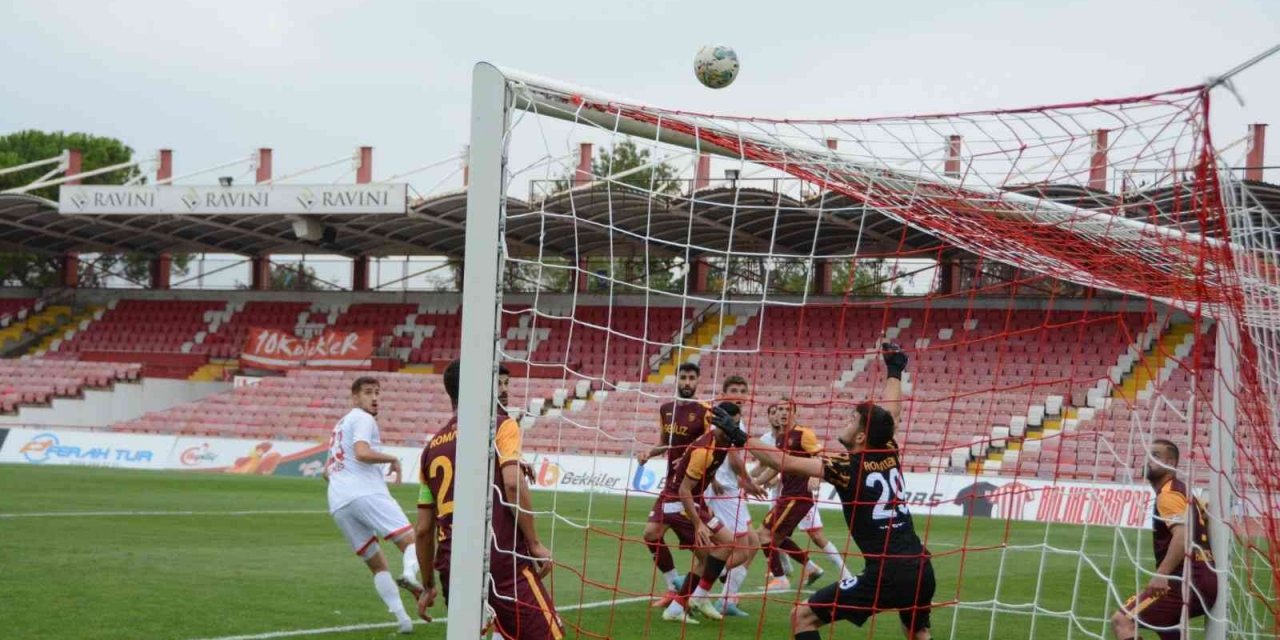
point(333, 349)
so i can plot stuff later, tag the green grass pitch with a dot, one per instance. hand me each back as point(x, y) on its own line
point(106, 553)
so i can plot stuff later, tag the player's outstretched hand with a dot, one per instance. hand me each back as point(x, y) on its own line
point(426, 600)
point(395, 470)
point(542, 559)
point(642, 456)
point(895, 359)
point(527, 470)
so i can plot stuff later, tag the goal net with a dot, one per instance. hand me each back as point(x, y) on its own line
point(1071, 283)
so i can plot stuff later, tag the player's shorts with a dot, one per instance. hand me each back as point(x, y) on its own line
point(672, 515)
point(787, 514)
point(812, 521)
point(1161, 611)
point(906, 587)
point(732, 511)
point(366, 518)
point(523, 608)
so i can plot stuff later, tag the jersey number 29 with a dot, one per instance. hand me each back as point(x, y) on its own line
point(891, 487)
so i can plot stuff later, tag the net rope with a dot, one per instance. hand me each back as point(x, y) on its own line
point(1061, 291)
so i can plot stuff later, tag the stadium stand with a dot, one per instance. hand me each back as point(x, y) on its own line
point(155, 333)
point(37, 381)
point(959, 370)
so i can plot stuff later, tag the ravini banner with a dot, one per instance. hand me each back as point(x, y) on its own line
point(275, 349)
point(282, 199)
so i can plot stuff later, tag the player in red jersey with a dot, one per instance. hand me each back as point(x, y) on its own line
point(795, 495)
point(781, 419)
point(1179, 532)
point(683, 508)
point(521, 605)
point(680, 422)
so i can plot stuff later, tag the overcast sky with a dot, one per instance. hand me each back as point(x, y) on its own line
point(315, 78)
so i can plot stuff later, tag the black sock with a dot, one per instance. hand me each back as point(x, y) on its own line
point(808, 635)
point(715, 566)
point(690, 583)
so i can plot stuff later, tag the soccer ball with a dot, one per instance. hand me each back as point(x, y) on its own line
point(716, 66)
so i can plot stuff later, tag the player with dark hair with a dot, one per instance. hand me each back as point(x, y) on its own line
point(1179, 518)
point(360, 503)
point(697, 528)
point(680, 423)
point(521, 605)
point(778, 533)
point(726, 496)
point(899, 572)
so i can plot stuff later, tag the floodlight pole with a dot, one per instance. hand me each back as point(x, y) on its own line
point(469, 567)
point(1222, 449)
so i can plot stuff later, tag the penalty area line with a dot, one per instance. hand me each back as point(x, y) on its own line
point(391, 625)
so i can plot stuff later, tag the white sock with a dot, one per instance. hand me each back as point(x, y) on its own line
point(411, 561)
point(837, 559)
point(812, 567)
point(390, 594)
point(675, 609)
point(733, 584)
point(671, 577)
point(699, 592)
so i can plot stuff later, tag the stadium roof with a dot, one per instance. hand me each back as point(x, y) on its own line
point(600, 220)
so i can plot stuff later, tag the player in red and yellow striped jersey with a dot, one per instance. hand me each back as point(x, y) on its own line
point(522, 606)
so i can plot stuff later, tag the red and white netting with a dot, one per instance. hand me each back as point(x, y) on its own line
point(1064, 279)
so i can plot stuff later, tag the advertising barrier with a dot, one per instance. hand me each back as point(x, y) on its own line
point(945, 495)
point(1105, 504)
point(275, 349)
point(249, 457)
point(71, 447)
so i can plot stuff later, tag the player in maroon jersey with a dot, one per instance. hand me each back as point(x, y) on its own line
point(795, 495)
point(1179, 519)
point(522, 606)
point(682, 507)
point(680, 422)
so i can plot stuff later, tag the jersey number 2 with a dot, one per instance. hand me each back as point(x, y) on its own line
point(891, 486)
point(442, 466)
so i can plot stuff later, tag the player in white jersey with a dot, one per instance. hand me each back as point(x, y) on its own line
point(727, 499)
point(779, 415)
point(360, 503)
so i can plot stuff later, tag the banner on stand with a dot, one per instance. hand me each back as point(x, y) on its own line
point(276, 349)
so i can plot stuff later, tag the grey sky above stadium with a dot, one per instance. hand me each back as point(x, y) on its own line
point(315, 78)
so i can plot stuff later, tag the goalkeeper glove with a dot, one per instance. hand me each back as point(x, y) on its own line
point(723, 419)
point(895, 359)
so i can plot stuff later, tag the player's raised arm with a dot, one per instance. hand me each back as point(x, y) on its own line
point(895, 360)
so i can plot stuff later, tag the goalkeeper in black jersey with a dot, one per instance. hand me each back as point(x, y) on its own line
point(899, 573)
